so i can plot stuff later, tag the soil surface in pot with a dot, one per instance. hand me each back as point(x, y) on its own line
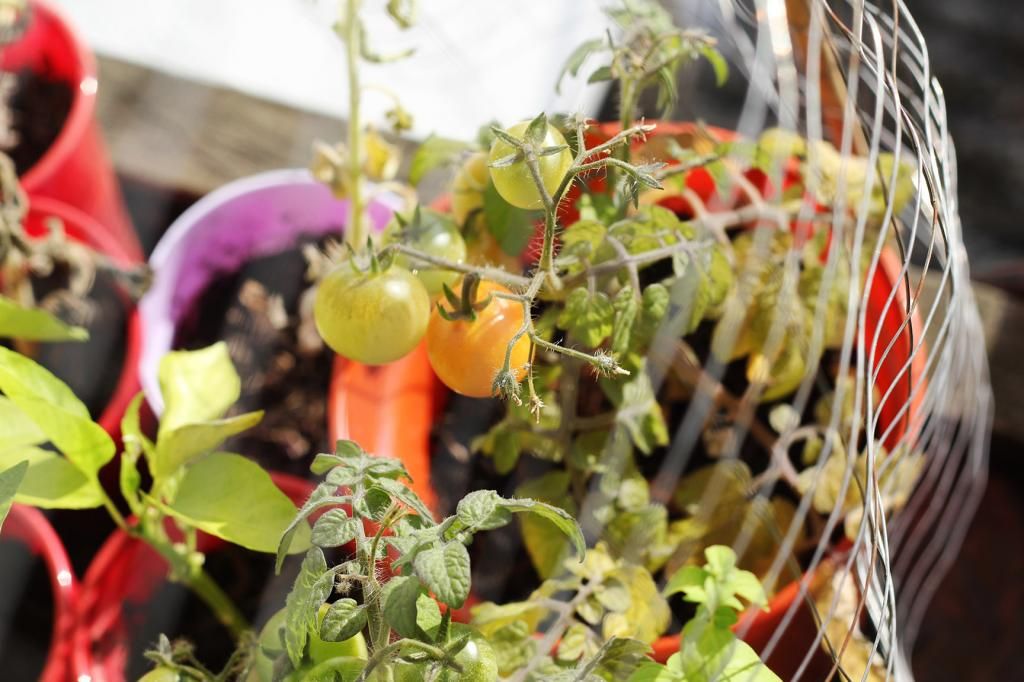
point(284, 367)
point(37, 107)
point(26, 612)
point(90, 368)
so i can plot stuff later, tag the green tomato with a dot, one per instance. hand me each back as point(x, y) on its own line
point(161, 674)
point(435, 234)
point(515, 183)
point(320, 652)
point(476, 659)
point(371, 317)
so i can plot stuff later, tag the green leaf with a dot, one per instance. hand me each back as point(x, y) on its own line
point(718, 63)
point(638, 410)
point(648, 615)
point(627, 308)
point(445, 572)
point(322, 496)
point(603, 73)
point(618, 658)
point(177, 447)
point(135, 443)
point(482, 510)
point(546, 544)
point(688, 580)
point(561, 519)
point(344, 619)
point(576, 59)
point(653, 308)
point(334, 528)
point(35, 324)
point(51, 481)
point(537, 130)
point(433, 153)
point(401, 596)
point(18, 429)
point(48, 402)
point(587, 317)
point(512, 227)
point(404, 494)
point(716, 655)
point(303, 603)
point(197, 386)
point(10, 479)
point(233, 498)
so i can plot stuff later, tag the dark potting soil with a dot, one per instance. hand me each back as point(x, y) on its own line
point(26, 612)
point(39, 105)
point(256, 312)
point(90, 368)
point(246, 577)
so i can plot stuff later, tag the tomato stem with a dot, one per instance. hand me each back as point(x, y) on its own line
point(356, 233)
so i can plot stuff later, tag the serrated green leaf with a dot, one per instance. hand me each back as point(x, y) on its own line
point(559, 517)
point(35, 324)
point(546, 544)
point(587, 317)
point(432, 153)
point(576, 59)
point(55, 410)
point(513, 646)
point(404, 494)
point(344, 619)
point(401, 595)
point(619, 658)
point(445, 572)
point(627, 309)
point(573, 642)
point(303, 604)
point(177, 447)
point(648, 615)
point(51, 481)
point(482, 510)
point(334, 528)
point(653, 308)
point(233, 498)
point(323, 495)
point(637, 410)
point(197, 386)
point(10, 479)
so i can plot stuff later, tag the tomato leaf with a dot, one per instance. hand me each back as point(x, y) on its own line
point(482, 510)
point(445, 572)
point(35, 324)
point(303, 603)
point(401, 609)
point(344, 619)
point(587, 317)
point(233, 498)
point(576, 59)
point(638, 410)
point(334, 528)
point(323, 495)
point(512, 227)
point(718, 63)
point(10, 479)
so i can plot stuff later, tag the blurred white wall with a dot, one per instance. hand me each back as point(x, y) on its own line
point(476, 59)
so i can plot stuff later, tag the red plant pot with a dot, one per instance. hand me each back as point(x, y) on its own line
point(30, 527)
point(82, 229)
point(76, 169)
point(124, 574)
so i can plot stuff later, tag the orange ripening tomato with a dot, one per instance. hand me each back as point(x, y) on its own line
point(466, 355)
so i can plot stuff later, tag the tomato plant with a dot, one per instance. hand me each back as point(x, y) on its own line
point(434, 234)
point(373, 317)
point(466, 354)
point(510, 171)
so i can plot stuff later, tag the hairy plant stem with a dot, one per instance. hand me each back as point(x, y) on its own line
point(356, 233)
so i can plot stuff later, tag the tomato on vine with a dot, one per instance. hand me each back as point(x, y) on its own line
point(434, 234)
point(515, 182)
point(466, 354)
point(476, 658)
point(374, 317)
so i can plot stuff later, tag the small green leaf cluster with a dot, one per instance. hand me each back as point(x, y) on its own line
point(403, 568)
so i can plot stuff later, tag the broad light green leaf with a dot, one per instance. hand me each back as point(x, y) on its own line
point(445, 572)
point(35, 324)
point(545, 542)
point(638, 410)
point(16, 429)
point(401, 596)
point(561, 519)
point(10, 479)
point(177, 447)
point(51, 481)
point(587, 317)
point(433, 153)
point(48, 402)
point(343, 620)
point(135, 443)
point(648, 615)
point(233, 498)
point(334, 528)
point(483, 510)
point(197, 386)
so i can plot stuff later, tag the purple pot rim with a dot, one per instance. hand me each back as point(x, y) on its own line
point(194, 225)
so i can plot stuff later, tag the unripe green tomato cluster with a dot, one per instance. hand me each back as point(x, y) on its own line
point(515, 183)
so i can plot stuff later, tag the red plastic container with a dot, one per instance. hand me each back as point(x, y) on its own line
point(81, 228)
point(124, 574)
point(28, 525)
point(76, 169)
